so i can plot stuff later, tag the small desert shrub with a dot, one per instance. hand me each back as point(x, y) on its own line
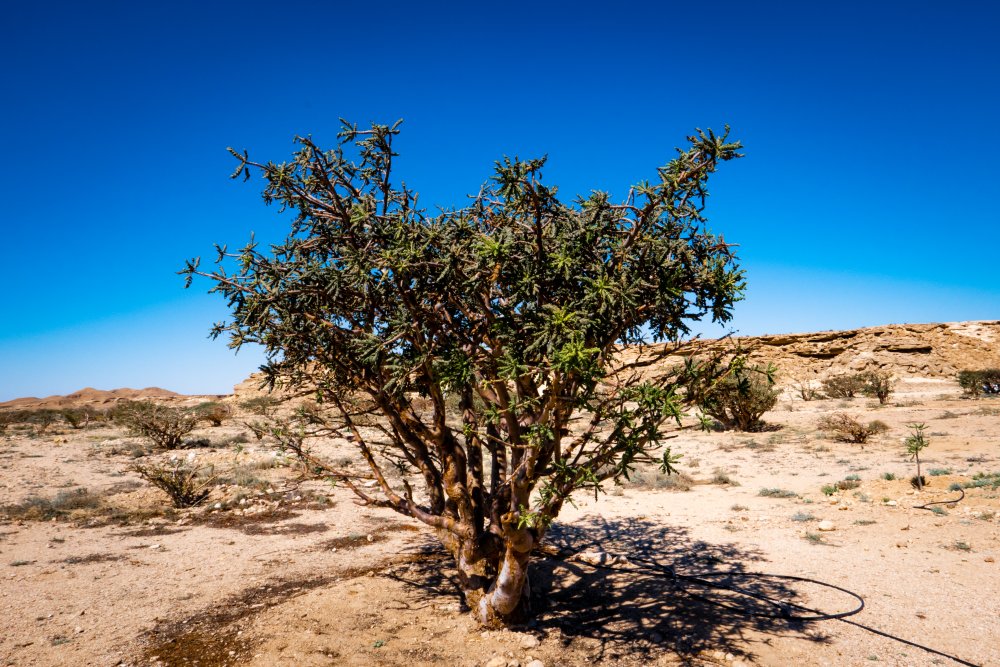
point(864, 522)
point(78, 418)
point(777, 493)
point(846, 428)
point(847, 385)
point(888, 476)
point(164, 425)
point(261, 405)
point(803, 516)
point(258, 428)
point(878, 384)
point(185, 484)
point(918, 481)
point(656, 479)
point(984, 479)
point(974, 383)
point(212, 412)
point(739, 400)
point(721, 477)
point(807, 392)
point(39, 419)
point(61, 505)
point(847, 484)
point(938, 472)
point(739, 508)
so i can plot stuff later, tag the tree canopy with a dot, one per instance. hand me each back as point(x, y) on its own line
point(486, 346)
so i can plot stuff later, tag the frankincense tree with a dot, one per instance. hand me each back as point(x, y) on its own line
point(487, 347)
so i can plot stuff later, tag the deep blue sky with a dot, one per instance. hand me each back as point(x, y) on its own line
point(867, 195)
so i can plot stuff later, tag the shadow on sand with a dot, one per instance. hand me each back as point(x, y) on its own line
point(643, 614)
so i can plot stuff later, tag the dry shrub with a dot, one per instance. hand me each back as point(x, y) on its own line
point(846, 385)
point(878, 384)
point(846, 428)
point(164, 425)
point(36, 508)
point(186, 485)
point(212, 412)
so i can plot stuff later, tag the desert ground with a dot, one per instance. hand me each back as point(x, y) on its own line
point(277, 569)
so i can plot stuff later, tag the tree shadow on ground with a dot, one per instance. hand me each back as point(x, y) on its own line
point(644, 613)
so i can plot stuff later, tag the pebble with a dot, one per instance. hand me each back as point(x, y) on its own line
point(535, 663)
point(826, 526)
point(891, 503)
point(529, 641)
point(496, 661)
point(988, 559)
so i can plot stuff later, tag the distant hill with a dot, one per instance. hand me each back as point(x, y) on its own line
point(91, 396)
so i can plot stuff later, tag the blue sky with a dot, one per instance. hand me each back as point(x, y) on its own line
point(866, 197)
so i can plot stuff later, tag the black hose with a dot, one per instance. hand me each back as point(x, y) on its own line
point(941, 502)
point(641, 564)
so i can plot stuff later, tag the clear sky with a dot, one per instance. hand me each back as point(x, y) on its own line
point(868, 194)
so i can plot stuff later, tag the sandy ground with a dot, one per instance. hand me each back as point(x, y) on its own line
point(298, 574)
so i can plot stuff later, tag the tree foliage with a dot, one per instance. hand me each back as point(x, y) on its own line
point(480, 350)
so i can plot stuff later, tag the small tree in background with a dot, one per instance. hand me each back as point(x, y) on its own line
point(514, 310)
point(916, 443)
point(878, 384)
point(846, 385)
point(164, 425)
point(213, 412)
point(736, 399)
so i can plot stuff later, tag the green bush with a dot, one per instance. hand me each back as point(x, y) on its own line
point(878, 384)
point(974, 383)
point(847, 385)
point(740, 399)
point(212, 412)
point(164, 425)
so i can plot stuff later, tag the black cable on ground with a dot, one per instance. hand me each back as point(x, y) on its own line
point(640, 565)
point(941, 502)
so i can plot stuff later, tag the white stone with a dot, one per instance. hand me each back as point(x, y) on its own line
point(826, 526)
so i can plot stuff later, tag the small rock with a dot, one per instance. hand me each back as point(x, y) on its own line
point(730, 657)
point(154, 546)
point(826, 526)
point(496, 661)
point(535, 663)
point(529, 641)
point(988, 559)
point(891, 503)
point(217, 506)
point(834, 501)
point(78, 630)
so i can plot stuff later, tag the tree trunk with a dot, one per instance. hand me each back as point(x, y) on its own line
point(496, 587)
